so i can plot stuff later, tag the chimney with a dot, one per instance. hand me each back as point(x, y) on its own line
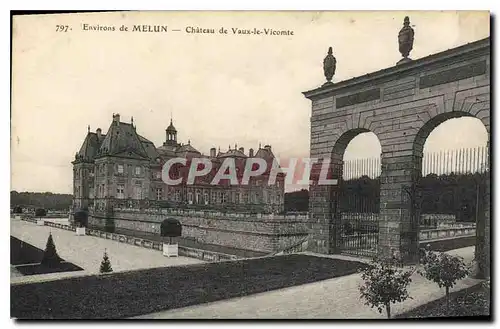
point(116, 118)
point(268, 147)
point(250, 153)
point(242, 150)
point(98, 132)
point(212, 152)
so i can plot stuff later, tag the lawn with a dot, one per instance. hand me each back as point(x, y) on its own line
point(135, 293)
point(26, 259)
point(470, 302)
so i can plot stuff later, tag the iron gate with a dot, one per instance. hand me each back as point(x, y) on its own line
point(355, 222)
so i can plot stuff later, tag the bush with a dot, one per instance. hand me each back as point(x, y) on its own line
point(443, 269)
point(105, 264)
point(17, 210)
point(40, 212)
point(50, 256)
point(385, 283)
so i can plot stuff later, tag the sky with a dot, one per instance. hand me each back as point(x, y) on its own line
point(221, 90)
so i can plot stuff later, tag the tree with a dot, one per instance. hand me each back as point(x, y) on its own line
point(443, 269)
point(105, 264)
point(40, 212)
point(17, 210)
point(50, 256)
point(385, 283)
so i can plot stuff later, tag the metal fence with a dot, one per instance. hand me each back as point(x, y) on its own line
point(458, 161)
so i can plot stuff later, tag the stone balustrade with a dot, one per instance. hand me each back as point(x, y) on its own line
point(447, 232)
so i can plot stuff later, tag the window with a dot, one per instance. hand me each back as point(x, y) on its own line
point(214, 197)
point(278, 198)
point(223, 197)
point(198, 197)
point(237, 200)
point(190, 197)
point(137, 170)
point(120, 191)
point(159, 193)
point(245, 197)
point(103, 191)
point(158, 174)
point(257, 198)
point(219, 197)
point(205, 197)
point(177, 195)
point(120, 169)
point(257, 182)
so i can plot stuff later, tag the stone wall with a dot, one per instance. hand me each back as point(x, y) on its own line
point(257, 232)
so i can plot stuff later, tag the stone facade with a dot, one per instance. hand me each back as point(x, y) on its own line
point(401, 105)
point(123, 169)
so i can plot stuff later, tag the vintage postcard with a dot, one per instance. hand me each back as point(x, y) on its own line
point(250, 165)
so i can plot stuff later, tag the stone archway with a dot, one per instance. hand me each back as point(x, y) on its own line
point(395, 104)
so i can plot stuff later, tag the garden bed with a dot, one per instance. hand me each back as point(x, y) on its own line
point(128, 294)
point(26, 259)
point(470, 302)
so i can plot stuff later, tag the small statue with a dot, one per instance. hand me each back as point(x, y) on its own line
point(405, 39)
point(329, 66)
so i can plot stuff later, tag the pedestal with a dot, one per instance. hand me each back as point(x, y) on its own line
point(80, 231)
point(40, 222)
point(170, 250)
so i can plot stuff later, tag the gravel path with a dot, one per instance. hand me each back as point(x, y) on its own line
point(87, 252)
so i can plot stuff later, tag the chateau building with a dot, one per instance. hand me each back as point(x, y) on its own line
point(121, 168)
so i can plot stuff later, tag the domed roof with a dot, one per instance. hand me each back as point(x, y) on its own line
point(171, 127)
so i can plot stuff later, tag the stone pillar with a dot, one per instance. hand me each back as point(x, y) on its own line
point(323, 215)
point(483, 237)
point(399, 215)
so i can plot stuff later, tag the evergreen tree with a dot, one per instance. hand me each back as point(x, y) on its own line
point(105, 264)
point(50, 256)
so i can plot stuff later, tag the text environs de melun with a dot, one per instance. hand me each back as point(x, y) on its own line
point(133, 28)
point(237, 31)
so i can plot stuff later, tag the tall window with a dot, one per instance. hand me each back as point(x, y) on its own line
point(205, 197)
point(214, 197)
point(120, 169)
point(177, 195)
point(137, 170)
point(198, 197)
point(120, 191)
point(190, 197)
point(103, 191)
point(237, 198)
point(223, 197)
point(159, 193)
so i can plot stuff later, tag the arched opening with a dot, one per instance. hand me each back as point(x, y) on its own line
point(449, 199)
point(356, 199)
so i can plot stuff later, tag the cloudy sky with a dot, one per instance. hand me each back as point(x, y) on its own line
point(220, 89)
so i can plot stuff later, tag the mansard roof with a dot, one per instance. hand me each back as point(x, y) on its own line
point(122, 139)
point(90, 146)
point(234, 153)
